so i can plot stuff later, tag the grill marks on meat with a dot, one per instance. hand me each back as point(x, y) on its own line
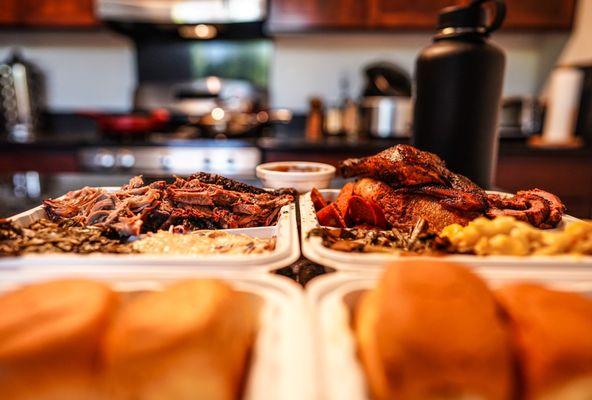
point(410, 184)
point(539, 208)
point(230, 184)
point(452, 199)
point(195, 203)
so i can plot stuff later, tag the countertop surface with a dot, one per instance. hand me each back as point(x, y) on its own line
point(70, 132)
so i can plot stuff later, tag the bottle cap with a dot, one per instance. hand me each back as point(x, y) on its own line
point(462, 17)
point(473, 17)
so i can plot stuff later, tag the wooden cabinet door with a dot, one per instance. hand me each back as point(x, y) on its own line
point(310, 15)
point(521, 14)
point(412, 14)
point(540, 14)
point(9, 12)
point(59, 13)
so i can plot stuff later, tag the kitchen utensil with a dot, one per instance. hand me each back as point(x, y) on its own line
point(229, 107)
point(132, 124)
point(521, 116)
point(232, 124)
point(314, 121)
point(333, 121)
point(386, 117)
point(199, 97)
point(386, 101)
point(386, 79)
point(459, 80)
point(20, 97)
point(351, 119)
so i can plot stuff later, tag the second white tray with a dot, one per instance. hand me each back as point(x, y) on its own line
point(313, 249)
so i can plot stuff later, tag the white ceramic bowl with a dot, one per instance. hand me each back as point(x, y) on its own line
point(299, 180)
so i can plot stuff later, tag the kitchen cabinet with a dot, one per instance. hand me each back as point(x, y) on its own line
point(408, 14)
point(59, 13)
point(318, 15)
point(48, 13)
point(537, 14)
point(9, 12)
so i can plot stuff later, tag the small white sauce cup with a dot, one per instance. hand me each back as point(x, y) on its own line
point(301, 181)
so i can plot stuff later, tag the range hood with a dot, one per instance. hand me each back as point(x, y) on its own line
point(182, 12)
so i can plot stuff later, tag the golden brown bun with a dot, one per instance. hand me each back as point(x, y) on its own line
point(431, 330)
point(190, 341)
point(49, 336)
point(552, 335)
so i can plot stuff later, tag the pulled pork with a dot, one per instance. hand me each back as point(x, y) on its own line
point(202, 201)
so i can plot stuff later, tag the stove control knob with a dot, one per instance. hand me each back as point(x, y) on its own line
point(125, 159)
point(104, 159)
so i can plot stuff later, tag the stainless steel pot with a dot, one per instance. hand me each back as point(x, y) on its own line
point(215, 105)
point(20, 98)
point(386, 116)
point(200, 97)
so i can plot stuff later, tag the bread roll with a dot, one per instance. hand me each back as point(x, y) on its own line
point(552, 335)
point(190, 341)
point(49, 339)
point(432, 330)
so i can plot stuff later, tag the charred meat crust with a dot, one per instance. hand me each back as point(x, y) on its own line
point(230, 184)
point(203, 201)
point(410, 184)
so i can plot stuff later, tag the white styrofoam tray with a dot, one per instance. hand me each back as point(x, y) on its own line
point(332, 300)
point(313, 249)
point(281, 362)
point(287, 249)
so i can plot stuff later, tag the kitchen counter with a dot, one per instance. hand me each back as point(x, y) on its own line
point(566, 172)
point(296, 144)
point(71, 132)
point(67, 133)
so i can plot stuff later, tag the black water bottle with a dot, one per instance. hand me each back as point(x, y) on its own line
point(459, 80)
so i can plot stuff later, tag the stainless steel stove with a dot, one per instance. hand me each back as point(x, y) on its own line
point(228, 160)
point(115, 165)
